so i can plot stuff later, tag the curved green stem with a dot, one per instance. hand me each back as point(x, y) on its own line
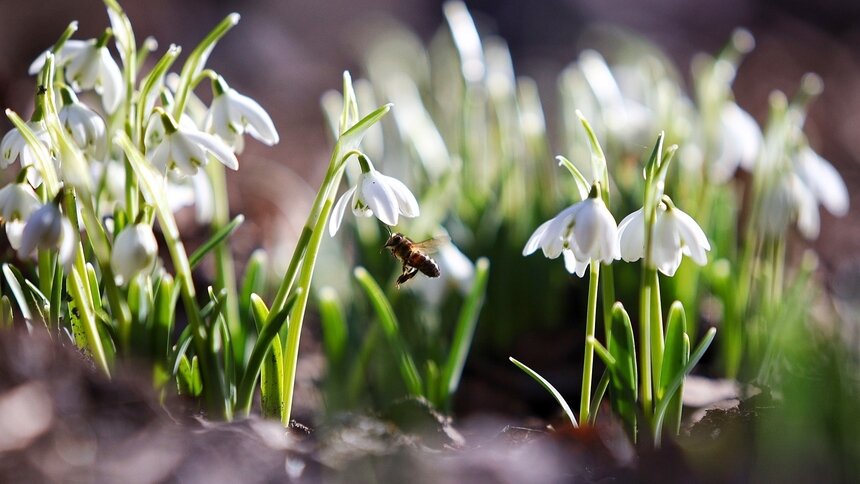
point(590, 329)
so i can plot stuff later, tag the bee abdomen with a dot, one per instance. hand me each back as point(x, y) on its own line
point(430, 268)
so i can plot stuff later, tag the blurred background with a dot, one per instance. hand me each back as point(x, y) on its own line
point(286, 54)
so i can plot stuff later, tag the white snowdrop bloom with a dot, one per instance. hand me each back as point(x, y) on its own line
point(231, 115)
point(740, 141)
point(584, 232)
point(47, 229)
point(186, 149)
point(375, 194)
point(14, 146)
point(89, 65)
point(674, 235)
point(795, 194)
point(134, 250)
point(822, 180)
point(17, 202)
point(84, 125)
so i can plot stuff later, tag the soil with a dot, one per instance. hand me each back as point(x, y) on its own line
point(61, 420)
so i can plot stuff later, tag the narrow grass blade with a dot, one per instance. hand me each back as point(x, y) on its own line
point(663, 405)
point(388, 321)
point(253, 283)
point(465, 331)
point(599, 393)
point(6, 316)
point(12, 279)
point(333, 322)
point(674, 359)
point(197, 256)
point(548, 386)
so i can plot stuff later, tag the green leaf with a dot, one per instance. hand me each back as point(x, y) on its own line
point(197, 257)
point(258, 353)
point(333, 322)
point(624, 379)
point(388, 320)
point(582, 185)
point(189, 379)
point(599, 393)
point(353, 136)
point(253, 283)
point(464, 331)
point(598, 159)
point(6, 316)
point(271, 381)
point(163, 315)
point(548, 386)
point(677, 350)
point(602, 352)
point(12, 274)
point(663, 405)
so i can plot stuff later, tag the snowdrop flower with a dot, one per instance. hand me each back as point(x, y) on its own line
point(17, 202)
point(375, 194)
point(47, 229)
point(84, 125)
point(14, 146)
point(186, 148)
point(584, 232)
point(89, 65)
point(134, 250)
point(231, 115)
point(674, 234)
point(739, 144)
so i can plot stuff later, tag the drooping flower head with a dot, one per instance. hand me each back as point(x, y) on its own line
point(134, 250)
point(375, 194)
point(17, 202)
point(186, 148)
point(89, 65)
point(232, 115)
point(46, 228)
point(83, 124)
point(674, 235)
point(585, 232)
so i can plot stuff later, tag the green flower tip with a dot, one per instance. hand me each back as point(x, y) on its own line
point(104, 38)
point(233, 18)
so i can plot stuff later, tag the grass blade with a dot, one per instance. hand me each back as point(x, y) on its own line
point(464, 331)
point(197, 256)
point(548, 386)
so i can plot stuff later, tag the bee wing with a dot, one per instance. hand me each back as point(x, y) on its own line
point(433, 244)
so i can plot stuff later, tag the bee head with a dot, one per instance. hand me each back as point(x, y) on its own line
point(394, 240)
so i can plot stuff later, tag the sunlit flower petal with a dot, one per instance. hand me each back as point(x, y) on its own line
point(231, 115)
point(134, 250)
point(375, 195)
point(584, 232)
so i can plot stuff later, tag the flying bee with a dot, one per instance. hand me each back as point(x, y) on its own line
point(414, 256)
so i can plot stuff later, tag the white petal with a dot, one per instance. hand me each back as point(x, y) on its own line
point(745, 133)
point(808, 219)
point(666, 244)
point(379, 197)
point(631, 235)
point(573, 265)
point(338, 211)
point(692, 236)
point(256, 117)
point(14, 231)
point(408, 206)
point(160, 158)
point(204, 197)
point(10, 147)
point(557, 234)
point(68, 241)
point(111, 81)
point(186, 153)
point(824, 181)
point(219, 150)
point(535, 240)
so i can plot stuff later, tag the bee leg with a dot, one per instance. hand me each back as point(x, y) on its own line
point(408, 273)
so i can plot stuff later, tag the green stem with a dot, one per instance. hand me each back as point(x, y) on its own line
point(656, 322)
point(291, 351)
point(225, 271)
point(590, 328)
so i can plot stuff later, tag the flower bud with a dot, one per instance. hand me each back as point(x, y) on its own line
point(134, 250)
